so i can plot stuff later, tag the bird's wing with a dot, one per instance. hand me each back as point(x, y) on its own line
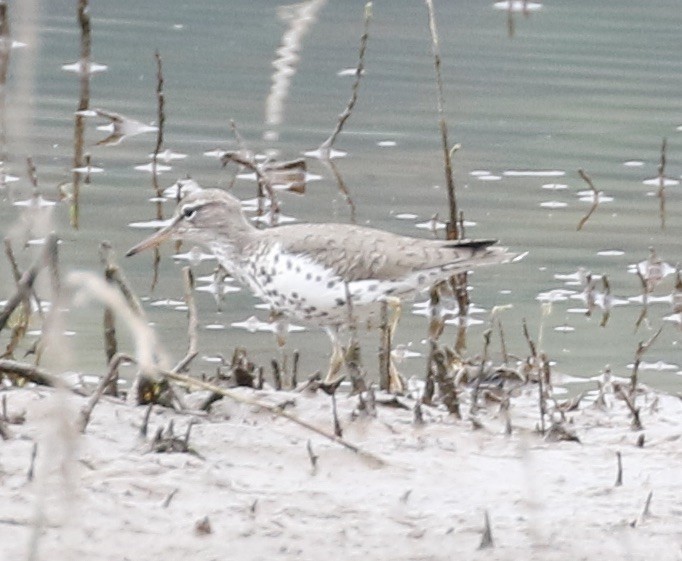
point(359, 253)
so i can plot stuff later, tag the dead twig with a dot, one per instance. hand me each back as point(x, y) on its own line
point(642, 348)
point(5, 53)
point(273, 409)
point(452, 230)
point(25, 284)
point(105, 382)
point(503, 344)
point(108, 319)
point(595, 199)
point(161, 118)
point(325, 149)
point(629, 401)
point(114, 276)
point(661, 184)
point(31, 373)
point(384, 349)
point(343, 188)
point(644, 313)
point(327, 144)
point(83, 105)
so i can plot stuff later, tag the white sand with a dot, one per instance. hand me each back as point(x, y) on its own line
point(102, 494)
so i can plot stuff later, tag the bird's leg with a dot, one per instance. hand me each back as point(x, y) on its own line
point(396, 382)
point(281, 331)
point(337, 358)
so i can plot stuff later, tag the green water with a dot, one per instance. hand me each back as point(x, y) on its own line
point(578, 86)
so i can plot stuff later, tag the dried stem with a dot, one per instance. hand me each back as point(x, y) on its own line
point(452, 230)
point(634, 410)
point(326, 146)
point(342, 187)
point(642, 348)
point(108, 320)
point(503, 345)
point(245, 157)
point(83, 105)
point(644, 313)
point(31, 172)
point(384, 349)
point(161, 118)
point(106, 381)
point(5, 52)
point(32, 373)
point(595, 201)
point(25, 284)
point(338, 432)
point(661, 184)
point(20, 326)
point(273, 409)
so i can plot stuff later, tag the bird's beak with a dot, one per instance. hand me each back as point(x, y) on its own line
point(154, 240)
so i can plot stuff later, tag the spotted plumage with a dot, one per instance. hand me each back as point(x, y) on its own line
point(308, 272)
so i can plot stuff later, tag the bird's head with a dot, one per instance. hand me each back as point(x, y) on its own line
point(201, 217)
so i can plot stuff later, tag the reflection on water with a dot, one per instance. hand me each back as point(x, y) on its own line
point(570, 90)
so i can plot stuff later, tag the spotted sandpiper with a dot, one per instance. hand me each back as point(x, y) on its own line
point(308, 272)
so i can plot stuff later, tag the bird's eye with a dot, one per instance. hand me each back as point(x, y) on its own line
point(189, 212)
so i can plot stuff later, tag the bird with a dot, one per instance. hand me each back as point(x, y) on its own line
point(326, 275)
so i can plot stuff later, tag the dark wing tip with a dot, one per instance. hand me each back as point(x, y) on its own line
point(472, 244)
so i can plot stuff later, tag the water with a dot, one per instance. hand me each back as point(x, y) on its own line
point(579, 86)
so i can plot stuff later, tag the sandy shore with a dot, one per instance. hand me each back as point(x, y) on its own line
point(250, 491)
